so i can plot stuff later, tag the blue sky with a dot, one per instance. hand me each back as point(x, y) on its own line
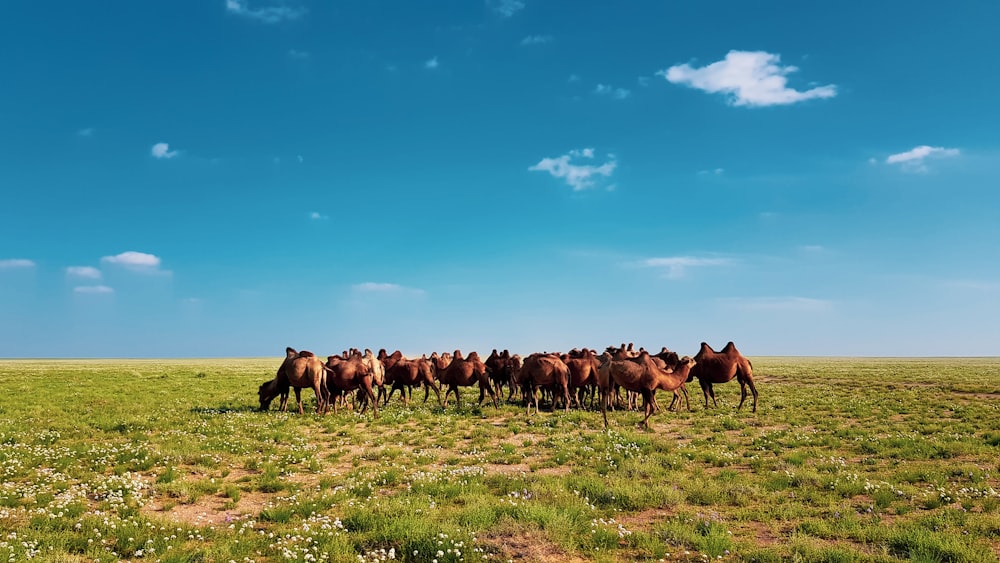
point(227, 178)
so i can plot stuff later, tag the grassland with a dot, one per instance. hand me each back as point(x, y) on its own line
point(845, 460)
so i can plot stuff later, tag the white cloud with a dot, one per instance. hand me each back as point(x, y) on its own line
point(578, 176)
point(749, 78)
point(506, 8)
point(269, 14)
point(675, 267)
point(789, 304)
point(643, 81)
point(385, 288)
point(536, 40)
point(316, 216)
point(133, 259)
point(12, 263)
point(84, 272)
point(712, 172)
point(162, 150)
point(608, 90)
point(432, 63)
point(93, 289)
point(914, 160)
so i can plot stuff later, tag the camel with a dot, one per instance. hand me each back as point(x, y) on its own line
point(496, 368)
point(377, 369)
point(643, 375)
point(347, 375)
point(298, 370)
point(404, 373)
point(546, 371)
point(582, 373)
point(721, 367)
point(463, 372)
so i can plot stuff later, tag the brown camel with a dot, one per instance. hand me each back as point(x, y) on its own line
point(496, 369)
point(344, 376)
point(643, 375)
point(582, 373)
point(546, 371)
point(463, 372)
point(721, 367)
point(298, 370)
point(403, 374)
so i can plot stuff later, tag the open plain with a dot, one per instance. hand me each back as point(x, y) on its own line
point(846, 459)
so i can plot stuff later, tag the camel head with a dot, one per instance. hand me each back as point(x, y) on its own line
point(266, 393)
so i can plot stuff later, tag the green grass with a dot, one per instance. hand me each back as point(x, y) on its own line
point(847, 459)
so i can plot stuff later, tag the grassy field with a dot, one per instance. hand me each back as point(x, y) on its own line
point(845, 460)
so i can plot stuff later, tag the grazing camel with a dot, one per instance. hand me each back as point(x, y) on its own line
point(463, 372)
point(545, 371)
point(298, 370)
point(344, 376)
point(643, 375)
point(720, 367)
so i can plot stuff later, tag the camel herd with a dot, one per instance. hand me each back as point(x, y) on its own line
point(564, 378)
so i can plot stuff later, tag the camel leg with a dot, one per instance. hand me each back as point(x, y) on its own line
point(458, 398)
point(605, 400)
point(753, 389)
point(647, 407)
point(370, 394)
point(437, 391)
point(298, 399)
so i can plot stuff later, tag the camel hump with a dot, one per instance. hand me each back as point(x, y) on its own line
point(730, 347)
point(457, 355)
point(306, 354)
point(290, 352)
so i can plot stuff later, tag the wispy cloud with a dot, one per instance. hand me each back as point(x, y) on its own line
point(136, 262)
point(298, 55)
point(431, 63)
point(608, 90)
point(89, 272)
point(92, 289)
point(317, 216)
point(85, 132)
point(162, 150)
point(573, 78)
point(676, 267)
point(915, 159)
point(268, 14)
point(386, 288)
point(506, 8)
point(774, 304)
point(748, 78)
point(12, 263)
point(536, 40)
point(712, 172)
point(578, 176)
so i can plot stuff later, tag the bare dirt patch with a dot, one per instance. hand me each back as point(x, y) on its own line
point(208, 510)
point(528, 546)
